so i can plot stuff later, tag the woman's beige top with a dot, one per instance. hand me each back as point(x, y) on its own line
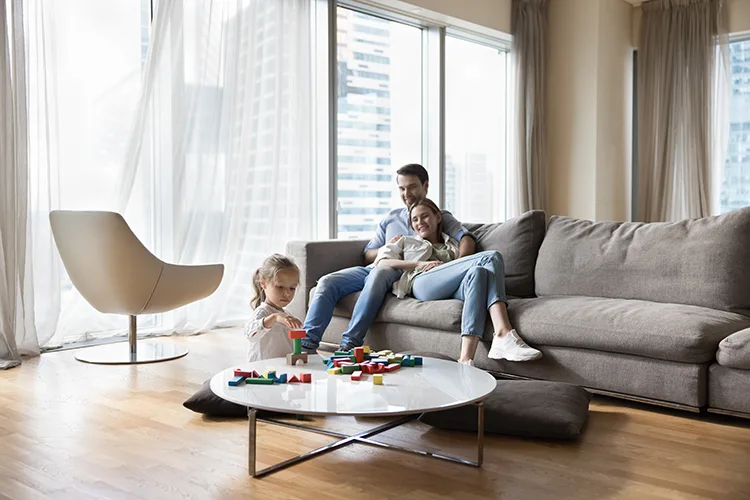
point(416, 249)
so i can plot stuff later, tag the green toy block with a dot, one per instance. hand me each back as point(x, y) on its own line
point(264, 381)
point(342, 353)
point(297, 346)
point(347, 369)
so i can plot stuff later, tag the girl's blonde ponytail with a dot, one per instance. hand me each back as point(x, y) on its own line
point(260, 295)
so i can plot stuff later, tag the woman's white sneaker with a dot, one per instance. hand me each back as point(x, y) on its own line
point(512, 348)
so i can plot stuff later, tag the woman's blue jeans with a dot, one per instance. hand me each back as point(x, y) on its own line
point(478, 280)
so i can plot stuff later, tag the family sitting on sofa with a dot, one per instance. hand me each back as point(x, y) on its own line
point(418, 250)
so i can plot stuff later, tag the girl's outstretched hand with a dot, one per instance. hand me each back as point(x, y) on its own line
point(288, 320)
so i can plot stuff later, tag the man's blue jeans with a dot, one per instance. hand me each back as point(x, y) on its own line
point(478, 280)
point(374, 282)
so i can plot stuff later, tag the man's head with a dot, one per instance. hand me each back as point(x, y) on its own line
point(413, 181)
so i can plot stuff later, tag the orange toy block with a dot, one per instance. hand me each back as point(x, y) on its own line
point(392, 368)
point(305, 378)
point(356, 375)
point(359, 354)
point(297, 334)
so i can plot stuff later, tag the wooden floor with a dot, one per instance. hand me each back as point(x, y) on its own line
point(78, 431)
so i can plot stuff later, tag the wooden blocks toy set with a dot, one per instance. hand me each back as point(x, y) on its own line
point(297, 355)
point(269, 377)
point(361, 360)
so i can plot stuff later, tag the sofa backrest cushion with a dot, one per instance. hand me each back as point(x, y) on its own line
point(518, 240)
point(703, 262)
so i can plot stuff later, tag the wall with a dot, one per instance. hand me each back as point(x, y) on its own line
point(469, 14)
point(590, 108)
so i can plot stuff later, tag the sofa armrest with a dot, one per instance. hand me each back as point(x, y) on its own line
point(318, 258)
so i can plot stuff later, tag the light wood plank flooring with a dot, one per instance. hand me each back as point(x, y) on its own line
point(77, 431)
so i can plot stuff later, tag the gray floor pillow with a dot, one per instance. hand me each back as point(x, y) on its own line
point(206, 402)
point(526, 408)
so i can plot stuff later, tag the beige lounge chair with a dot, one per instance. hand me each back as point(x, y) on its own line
point(116, 274)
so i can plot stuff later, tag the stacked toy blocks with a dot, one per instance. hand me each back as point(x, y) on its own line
point(269, 377)
point(361, 360)
point(297, 355)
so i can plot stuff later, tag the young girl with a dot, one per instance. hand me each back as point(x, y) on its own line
point(432, 272)
point(274, 284)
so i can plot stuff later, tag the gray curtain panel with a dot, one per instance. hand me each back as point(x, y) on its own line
point(529, 55)
point(13, 186)
point(683, 51)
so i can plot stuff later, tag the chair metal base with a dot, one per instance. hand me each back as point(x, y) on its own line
point(120, 354)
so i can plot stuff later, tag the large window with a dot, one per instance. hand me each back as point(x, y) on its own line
point(379, 116)
point(735, 187)
point(475, 142)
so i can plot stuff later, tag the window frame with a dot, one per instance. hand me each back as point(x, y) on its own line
point(434, 32)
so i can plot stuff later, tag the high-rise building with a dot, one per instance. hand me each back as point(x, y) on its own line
point(365, 174)
point(735, 188)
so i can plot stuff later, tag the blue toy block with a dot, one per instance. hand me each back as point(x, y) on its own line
point(235, 381)
point(418, 360)
point(281, 379)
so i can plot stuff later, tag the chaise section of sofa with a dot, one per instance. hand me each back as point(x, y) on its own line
point(729, 377)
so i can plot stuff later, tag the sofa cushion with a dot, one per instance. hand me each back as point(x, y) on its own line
point(526, 408)
point(671, 332)
point(734, 351)
point(438, 314)
point(702, 262)
point(518, 240)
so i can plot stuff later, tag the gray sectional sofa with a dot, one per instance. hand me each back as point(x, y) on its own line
point(656, 312)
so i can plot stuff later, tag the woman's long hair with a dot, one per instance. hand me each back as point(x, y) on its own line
point(435, 210)
point(271, 266)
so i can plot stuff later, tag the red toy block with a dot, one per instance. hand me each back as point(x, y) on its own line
point(359, 354)
point(392, 368)
point(297, 334)
point(293, 379)
point(239, 372)
point(356, 375)
point(305, 378)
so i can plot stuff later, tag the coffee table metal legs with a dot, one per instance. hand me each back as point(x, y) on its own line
point(362, 437)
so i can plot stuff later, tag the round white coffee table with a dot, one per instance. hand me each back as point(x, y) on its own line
point(406, 393)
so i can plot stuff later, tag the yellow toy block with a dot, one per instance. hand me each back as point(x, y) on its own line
point(366, 349)
point(385, 352)
point(334, 371)
point(377, 379)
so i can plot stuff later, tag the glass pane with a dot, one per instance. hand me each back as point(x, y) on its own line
point(475, 142)
point(379, 116)
point(735, 188)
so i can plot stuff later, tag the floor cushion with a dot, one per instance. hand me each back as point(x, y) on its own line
point(526, 408)
point(206, 402)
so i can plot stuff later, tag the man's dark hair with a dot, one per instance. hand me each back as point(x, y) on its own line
point(414, 169)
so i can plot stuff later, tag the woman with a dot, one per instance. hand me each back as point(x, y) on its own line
point(431, 272)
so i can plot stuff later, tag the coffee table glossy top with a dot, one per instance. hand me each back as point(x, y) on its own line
point(436, 385)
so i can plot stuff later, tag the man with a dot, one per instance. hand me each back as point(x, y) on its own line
point(375, 282)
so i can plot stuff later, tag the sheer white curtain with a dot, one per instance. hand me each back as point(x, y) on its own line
point(197, 127)
point(17, 333)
